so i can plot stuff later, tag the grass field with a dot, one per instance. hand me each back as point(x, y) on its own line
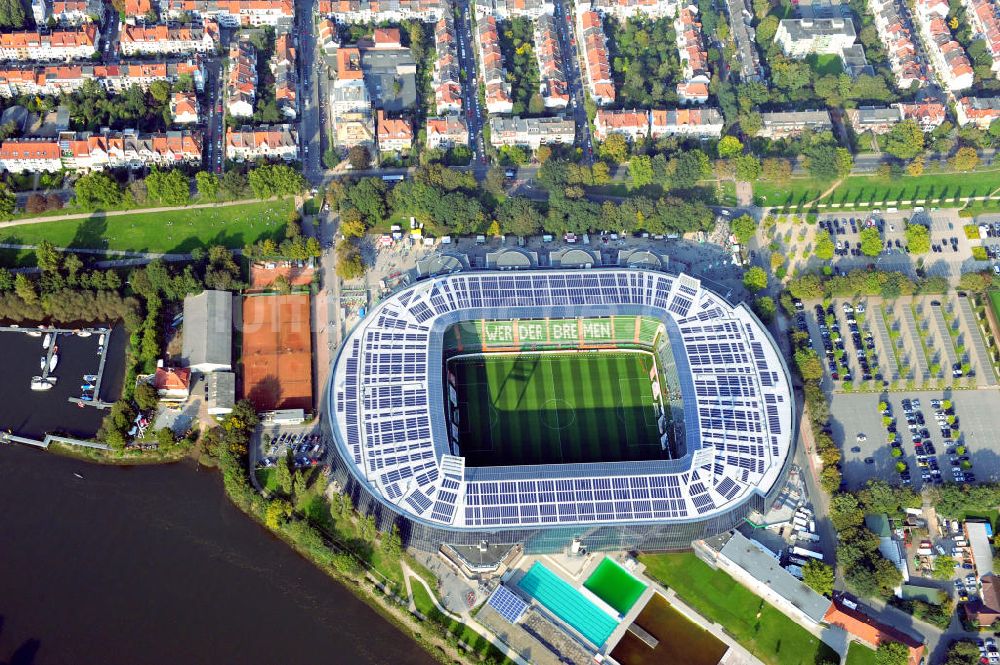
point(859, 654)
point(179, 231)
point(748, 618)
point(556, 408)
point(824, 65)
point(995, 303)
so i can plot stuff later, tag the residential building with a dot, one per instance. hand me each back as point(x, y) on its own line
point(446, 81)
point(31, 155)
point(88, 151)
point(326, 33)
point(394, 134)
point(184, 108)
point(632, 124)
point(40, 11)
point(66, 44)
point(349, 93)
point(593, 41)
point(948, 57)
point(355, 128)
point(447, 132)
point(984, 20)
point(984, 611)
point(531, 132)
point(386, 38)
point(825, 36)
point(881, 119)
point(894, 26)
point(863, 628)
point(929, 115)
point(491, 70)
point(979, 111)
point(249, 144)
point(693, 56)
point(208, 332)
point(698, 122)
point(391, 77)
point(172, 384)
point(140, 39)
point(137, 11)
point(378, 11)
point(554, 89)
point(234, 13)
point(58, 79)
point(779, 124)
point(241, 79)
point(69, 12)
point(506, 9)
point(283, 68)
point(624, 10)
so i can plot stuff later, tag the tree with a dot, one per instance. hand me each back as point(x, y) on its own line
point(275, 180)
point(208, 184)
point(518, 216)
point(892, 653)
point(351, 226)
point(916, 167)
point(962, 652)
point(776, 169)
point(359, 158)
point(965, 159)
point(765, 308)
point(844, 162)
point(918, 238)
point(614, 148)
point(871, 241)
point(145, 396)
point(743, 227)
point(818, 576)
point(277, 511)
point(49, 259)
point(747, 167)
point(283, 474)
point(165, 438)
point(11, 14)
point(25, 289)
point(640, 168)
point(944, 568)
point(168, 187)
point(729, 146)
point(392, 543)
point(905, 140)
point(97, 190)
point(824, 245)
point(349, 263)
point(755, 279)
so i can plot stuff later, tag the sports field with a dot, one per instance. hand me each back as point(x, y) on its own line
point(556, 408)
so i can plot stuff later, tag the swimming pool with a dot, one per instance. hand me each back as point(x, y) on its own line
point(614, 585)
point(568, 604)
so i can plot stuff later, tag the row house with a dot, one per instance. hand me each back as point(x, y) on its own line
point(30, 155)
point(234, 13)
point(978, 111)
point(491, 69)
point(506, 9)
point(880, 120)
point(554, 89)
point(241, 80)
point(949, 58)
point(447, 132)
point(85, 151)
point(780, 124)
point(142, 40)
point(68, 12)
point(327, 38)
point(984, 19)
point(693, 57)
point(593, 41)
point(184, 108)
point(78, 44)
point(285, 79)
point(58, 79)
point(625, 10)
point(532, 132)
point(393, 134)
point(701, 123)
point(929, 115)
point(893, 24)
point(632, 124)
point(377, 11)
point(249, 144)
point(447, 81)
point(139, 11)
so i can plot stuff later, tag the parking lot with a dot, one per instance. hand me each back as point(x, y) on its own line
point(855, 420)
point(308, 445)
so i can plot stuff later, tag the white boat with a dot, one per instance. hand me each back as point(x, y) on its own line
point(41, 365)
point(90, 378)
point(47, 341)
point(53, 361)
point(33, 333)
point(100, 341)
point(38, 383)
point(84, 333)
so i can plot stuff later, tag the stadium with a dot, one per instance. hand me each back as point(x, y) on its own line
point(617, 408)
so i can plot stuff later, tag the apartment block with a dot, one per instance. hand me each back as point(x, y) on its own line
point(554, 88)
point(632, 124)
point(66, 45)
point(881, 119)
point(184, 108)
point(894, 26)
point(491, 69)
point(234, 13)
point(978, 111)
point(779, 124)
point(593, 41)
point(162, 39)
point(283, 68)
point(377, 11)
point(30, 155)
point(984, 19)
point(249, 144)
point(697, 123)
point(532, 132)
point(447, 80)
point(58, 79)
point(507, 9)
point(393, 134)
point(826, 36)
point(67, 12)
point(624, 10)
point(241, 79)
point(326, 34)
point(85, 151)
point(693, 57)
point(447, 132)
point(948, 57)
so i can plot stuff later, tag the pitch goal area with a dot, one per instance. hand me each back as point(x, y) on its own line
point(557, 408)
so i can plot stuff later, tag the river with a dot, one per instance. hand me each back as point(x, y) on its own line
point(154, 565)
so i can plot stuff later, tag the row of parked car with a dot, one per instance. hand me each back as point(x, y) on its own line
point(306, 449)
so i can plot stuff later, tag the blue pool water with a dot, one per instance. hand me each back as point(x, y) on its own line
point(568, 604)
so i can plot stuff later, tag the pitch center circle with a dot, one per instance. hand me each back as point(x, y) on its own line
point(558, 414)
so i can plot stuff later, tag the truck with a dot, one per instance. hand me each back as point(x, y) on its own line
point(806, 536)
point(801, 551)
point(800, 522)
point(796, 571)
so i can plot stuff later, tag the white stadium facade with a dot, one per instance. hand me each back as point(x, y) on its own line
point(387, 411)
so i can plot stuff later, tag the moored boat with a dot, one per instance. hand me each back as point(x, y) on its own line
point(47, 341)
point(53, 361)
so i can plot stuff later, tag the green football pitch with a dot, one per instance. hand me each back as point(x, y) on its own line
point(556, 408)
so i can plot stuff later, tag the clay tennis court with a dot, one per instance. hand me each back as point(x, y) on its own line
point(277, 352)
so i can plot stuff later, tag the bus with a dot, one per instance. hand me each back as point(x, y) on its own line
point(801, 551)
point(395, 177)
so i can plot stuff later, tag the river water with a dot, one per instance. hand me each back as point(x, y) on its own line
point(154, 565)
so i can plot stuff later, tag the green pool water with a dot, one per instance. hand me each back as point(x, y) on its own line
point(614, 585)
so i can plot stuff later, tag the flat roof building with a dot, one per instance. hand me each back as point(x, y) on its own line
point(208, 331)
point(220, 393)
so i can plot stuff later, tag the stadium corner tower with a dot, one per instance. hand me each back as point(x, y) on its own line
point(624, 409)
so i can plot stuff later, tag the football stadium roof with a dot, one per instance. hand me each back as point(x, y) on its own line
point(389, 421)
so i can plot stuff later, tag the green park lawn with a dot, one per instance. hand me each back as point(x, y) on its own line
point(178, 231)
point(995, 303)
point(791, 192)
point(824, 65)
point(859, 654)
point(757, 625)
